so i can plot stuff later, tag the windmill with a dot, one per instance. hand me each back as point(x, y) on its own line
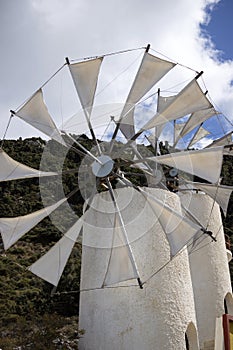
point(118, 133)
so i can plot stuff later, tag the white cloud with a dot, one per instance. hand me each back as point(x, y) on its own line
point(38, 35)
point(203, 143)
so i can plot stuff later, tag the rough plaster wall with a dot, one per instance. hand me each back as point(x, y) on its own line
point(129, 318)
point(209, 266)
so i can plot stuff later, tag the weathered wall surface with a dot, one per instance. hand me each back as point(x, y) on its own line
point(127, 317)
point(209, 266)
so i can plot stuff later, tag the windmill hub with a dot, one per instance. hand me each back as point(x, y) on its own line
point(103, 166)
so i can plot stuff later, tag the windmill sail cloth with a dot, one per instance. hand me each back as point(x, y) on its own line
point(163, 102)
point(35, 113)
point(223, 141)
point(151, 70)
point(177, 129)
point(120, 267)
point(12, 229)
point(220, 193)
point(51, 265)
point(202, 132)
point(152, 139)
point(206, 163)
point(189, 100)
point(85, 77)
point(178, 229)
point(10, 169)
point(158, 130)
point(155, 134)
point(196, 119)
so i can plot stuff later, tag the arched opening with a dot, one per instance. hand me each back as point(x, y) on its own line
point(228, 304)
point(191, 340)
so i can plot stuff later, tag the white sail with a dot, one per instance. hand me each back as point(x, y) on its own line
point(152, 139)
point(189, 100)
point(151, 70)
point(164, 101)
point(35, 113)
point(154, 135)
point(196, 119)
point(12, 229)
point(51, 265)
point(178, 229)
point(158, 130)
point(177, 128)
point(10, 169)
point(120, 266)
point(222, 141)
point(220, 193)
point(200, 134)
point(85, 76)
point(206, 163)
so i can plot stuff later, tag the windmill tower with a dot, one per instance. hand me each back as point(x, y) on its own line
point(210, 273)
point(141, 287)
point(125, 316)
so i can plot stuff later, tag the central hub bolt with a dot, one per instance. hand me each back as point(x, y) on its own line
point(103, 167)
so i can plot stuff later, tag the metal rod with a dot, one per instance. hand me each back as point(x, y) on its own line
point(134, 265)
point(84, 149)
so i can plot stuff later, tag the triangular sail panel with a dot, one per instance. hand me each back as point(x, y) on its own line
point(206, 163)
point(35, 113)
point(12, 229)
point(151, 70)
point(154, 135)
point(10, 169)
point(200, 134)
point(120, 266)
point(189, 100)
point(164, 101)
point(196, 119)
point(51, 265)
point(220, 193)
point(179, 230)
point(222, 141)
point(85, 76)
point(177, 128)
point(152, 138)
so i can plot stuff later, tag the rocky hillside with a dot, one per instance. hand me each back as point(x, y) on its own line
point(33, 315)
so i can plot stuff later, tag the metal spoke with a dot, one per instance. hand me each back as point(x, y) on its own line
point(84, 149)
point(124, 232)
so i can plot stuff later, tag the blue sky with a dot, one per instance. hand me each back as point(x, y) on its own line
point(220, 28)
point(36, 36)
